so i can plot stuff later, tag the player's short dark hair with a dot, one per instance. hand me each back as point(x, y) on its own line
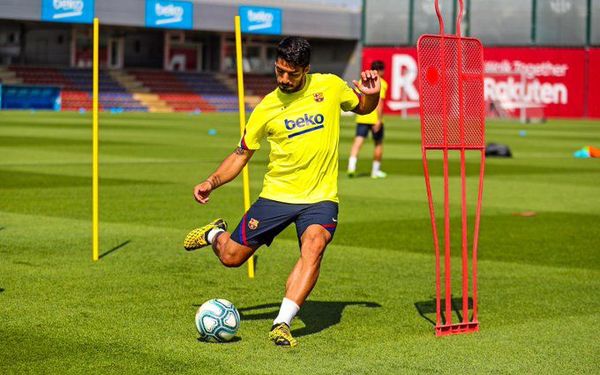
point(377, 65)
point(294, 50)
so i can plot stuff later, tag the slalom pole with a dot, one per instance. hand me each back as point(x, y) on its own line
point(242, 105)
point(95, 210)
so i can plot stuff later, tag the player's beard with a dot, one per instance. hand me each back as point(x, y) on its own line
point(288, 89)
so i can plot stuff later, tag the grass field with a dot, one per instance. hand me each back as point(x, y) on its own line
point(133, 311)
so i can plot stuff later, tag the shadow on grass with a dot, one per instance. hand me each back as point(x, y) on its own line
point(495, 167)
point(20, 179)
point(233, 340)
point(316, 315)
point(428, 307)
point(360, 175)
point(2, 290)
point(115, 249)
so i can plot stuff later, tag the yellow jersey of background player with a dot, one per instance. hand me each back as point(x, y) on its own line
point(370, 123)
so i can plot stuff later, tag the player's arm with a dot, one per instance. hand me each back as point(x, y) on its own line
point(369, 86)
point(227, 171)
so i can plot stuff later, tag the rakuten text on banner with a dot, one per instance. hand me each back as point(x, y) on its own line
point(515, 78)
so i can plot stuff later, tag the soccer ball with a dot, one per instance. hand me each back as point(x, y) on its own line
point(217, 320)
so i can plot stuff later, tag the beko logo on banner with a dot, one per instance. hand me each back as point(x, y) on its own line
point(260, 20)
point(172, 14)
point(68, 10)
point(70, 7)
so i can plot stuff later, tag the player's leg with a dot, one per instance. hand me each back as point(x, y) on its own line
point(315, 227)
point(300, 283)
point(229, 252)
point(376, 171)
point(263, 221)
point(362, 131)
point(306, 271)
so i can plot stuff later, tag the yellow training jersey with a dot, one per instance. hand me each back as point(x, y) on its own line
point(303, 131)
point(373, 117)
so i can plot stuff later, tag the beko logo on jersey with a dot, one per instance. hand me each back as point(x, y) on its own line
point(306, 120)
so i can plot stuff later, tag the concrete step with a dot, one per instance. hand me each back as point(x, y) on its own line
point(140, 92)
point(127, 81)
point(228, 81)
point(153, 102)
point(9, 77)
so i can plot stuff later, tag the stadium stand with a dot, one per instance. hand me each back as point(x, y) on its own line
point(258, 84)
point(144, 89)
point(76, 85)
point(182, 91)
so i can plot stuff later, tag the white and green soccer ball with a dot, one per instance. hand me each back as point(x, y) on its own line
point(217, 320)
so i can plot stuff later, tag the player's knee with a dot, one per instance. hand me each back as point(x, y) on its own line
point(231, 257)
point(313, 246)
point(231, 260)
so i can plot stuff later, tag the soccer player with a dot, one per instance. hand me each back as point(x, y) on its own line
point(372, 122)
point(301, 121)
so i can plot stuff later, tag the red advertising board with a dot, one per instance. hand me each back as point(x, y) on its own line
point(593, 83)
point(401, 74)
point(550, 79)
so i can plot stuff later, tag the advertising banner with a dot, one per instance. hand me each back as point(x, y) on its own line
point(75, 11)
point(170, 14)
point(552, 80)
point(593, 83)
point(260, 20)
point(30, 97)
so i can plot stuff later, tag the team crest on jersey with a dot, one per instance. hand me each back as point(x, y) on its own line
point(253, 224)
point(318, 97)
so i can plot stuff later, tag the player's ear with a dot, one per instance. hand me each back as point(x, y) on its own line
point(307, 69)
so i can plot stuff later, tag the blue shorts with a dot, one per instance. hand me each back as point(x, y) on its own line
point(362, 130)
point(267, 218)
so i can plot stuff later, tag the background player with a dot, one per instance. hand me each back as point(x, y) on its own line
point(371, 122)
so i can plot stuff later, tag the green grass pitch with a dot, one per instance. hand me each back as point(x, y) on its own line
point(133, 311)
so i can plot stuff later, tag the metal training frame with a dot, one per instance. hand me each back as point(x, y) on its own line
point(452, 113)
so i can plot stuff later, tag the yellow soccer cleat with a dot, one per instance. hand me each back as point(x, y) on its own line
point(197, 238)
point(280, 334)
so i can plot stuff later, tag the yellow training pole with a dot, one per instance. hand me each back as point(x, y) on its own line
point(95, 213)
point(242, 104)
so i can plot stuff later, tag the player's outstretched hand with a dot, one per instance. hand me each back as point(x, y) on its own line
point(202, 191)
point(369, 82)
